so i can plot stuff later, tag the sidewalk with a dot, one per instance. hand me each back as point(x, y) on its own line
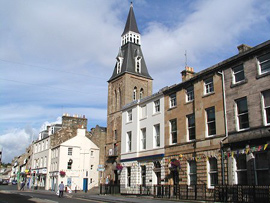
point(111, 198)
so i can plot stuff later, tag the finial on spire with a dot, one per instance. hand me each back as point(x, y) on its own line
point(131, 4)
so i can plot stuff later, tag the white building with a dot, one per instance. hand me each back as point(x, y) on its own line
point(75, 162)
point(41, 156)
point(142, 146)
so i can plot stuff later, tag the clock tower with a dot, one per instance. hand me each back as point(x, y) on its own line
point(130, 81)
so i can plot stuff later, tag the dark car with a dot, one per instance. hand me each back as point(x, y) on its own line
point(5, 182)
point(14, 182)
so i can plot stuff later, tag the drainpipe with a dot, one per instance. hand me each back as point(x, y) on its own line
point(225, 125)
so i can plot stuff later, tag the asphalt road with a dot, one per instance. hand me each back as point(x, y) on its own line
point(10, 194)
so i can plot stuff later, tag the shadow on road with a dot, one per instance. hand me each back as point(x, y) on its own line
point(14, 198)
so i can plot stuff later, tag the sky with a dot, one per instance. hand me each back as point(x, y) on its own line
point(56, 56)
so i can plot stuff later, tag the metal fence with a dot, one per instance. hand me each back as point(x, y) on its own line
point(238, 193)
point(221, 193)
point(109, 189)
point(184, 192)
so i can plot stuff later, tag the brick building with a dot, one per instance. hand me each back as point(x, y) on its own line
point(194, 128)
point(247, 88)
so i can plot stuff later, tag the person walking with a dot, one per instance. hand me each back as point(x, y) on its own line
point(61, 189)
point(22, 185)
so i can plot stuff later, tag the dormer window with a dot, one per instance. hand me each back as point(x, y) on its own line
point(138, 64)
point(119, 64)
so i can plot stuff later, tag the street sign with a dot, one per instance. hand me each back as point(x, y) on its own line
point(101, 169)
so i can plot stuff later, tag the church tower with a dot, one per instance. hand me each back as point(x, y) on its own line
point(130, 81)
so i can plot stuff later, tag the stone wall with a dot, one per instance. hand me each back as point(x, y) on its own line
point(69, 129)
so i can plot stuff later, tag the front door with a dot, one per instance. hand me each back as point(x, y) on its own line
point(85, 184)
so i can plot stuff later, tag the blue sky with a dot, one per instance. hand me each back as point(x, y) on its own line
point(57, 55)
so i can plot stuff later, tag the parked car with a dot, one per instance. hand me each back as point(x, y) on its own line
point(14, 182)
point(4, 182)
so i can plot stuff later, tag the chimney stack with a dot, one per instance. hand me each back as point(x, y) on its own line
point(187, 73)
point(243, 47)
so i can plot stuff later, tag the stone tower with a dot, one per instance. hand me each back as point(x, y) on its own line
point(130, 81)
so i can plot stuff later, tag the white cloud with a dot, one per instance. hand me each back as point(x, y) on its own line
point(15, 141)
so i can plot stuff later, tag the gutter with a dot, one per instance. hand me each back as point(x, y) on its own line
point(225, 125)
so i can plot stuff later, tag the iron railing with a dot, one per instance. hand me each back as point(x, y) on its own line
point(220, 193)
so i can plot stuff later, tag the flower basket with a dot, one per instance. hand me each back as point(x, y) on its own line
point(119, 168)
point(175, 164)
point(62, 173)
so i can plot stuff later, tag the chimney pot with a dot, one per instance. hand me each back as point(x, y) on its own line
point(187, 73)
point(243, 47)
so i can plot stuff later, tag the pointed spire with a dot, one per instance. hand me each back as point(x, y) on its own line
point(131, 24)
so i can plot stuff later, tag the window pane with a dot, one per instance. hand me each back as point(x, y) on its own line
point(242, 105)
point(264, 63)
point(266, 96)
point(173, 125)
point(243, 121)
point(238, 73)
point(211, 123)
point(214, 179)
point(211, 114)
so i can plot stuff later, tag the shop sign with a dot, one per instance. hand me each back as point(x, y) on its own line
point(44, 171)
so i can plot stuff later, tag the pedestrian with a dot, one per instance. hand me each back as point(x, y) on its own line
point(22, 185)
point(61, 189)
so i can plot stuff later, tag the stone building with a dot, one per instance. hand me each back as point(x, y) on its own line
point(130, 81)
point(75, 162)
point(98, 135)
point(194, 128)
point(41, 157)
point(74, 158)
point(247, 90)
point(142, 146)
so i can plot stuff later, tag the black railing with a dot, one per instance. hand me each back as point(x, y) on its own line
point(184, 192)
point(220, 193)
point(109, 189)
point(238, 193)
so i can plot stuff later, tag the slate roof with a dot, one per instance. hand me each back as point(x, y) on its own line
point(128, 52)
point(131, 24)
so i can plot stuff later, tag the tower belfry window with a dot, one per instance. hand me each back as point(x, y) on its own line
point(138, 64)
point(134, 93)
point(141, 93)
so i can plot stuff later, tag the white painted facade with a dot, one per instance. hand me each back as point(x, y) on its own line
point(41, 158)
point(40, 163)
point(143, 157)
point(78, 158)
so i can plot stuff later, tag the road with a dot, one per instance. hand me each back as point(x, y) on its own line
point(10, 194)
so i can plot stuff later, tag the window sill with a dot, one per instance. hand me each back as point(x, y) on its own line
point(239, 83)
point(143, 118)
point(208, 94)
point(262, 75)
point(189, 102)
point(171, 108)
point(156, 113)
point(242, 130)
point(209, 136)
point(128, 122)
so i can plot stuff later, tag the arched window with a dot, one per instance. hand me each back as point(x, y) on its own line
point(134, 93)
point(141, 93)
